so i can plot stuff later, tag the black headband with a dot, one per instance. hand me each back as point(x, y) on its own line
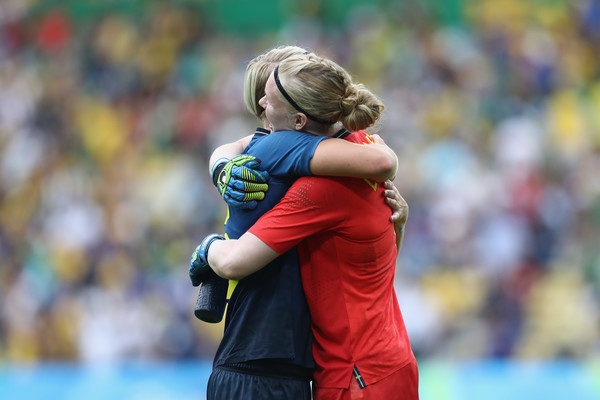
point(292, 102)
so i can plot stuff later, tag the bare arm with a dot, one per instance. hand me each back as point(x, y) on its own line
point(338, 157)
point(334, 157)
point(235, 259)
point(229, 150)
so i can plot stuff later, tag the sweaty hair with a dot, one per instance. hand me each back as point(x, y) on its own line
point(324, 91)
point(257, 74)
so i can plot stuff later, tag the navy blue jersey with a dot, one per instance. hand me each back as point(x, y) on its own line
point(267, 315)
point(285, 156)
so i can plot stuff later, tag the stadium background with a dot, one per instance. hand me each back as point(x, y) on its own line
point(108, 113)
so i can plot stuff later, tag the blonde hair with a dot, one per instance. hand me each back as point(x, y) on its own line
point(324, 91)
point(257, 74)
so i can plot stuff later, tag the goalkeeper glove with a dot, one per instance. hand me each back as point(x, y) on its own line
point(199, 268)
point(239, 181)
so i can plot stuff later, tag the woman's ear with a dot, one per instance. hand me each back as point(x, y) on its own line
point(300, 121)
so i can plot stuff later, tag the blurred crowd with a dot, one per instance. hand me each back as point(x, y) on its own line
point(106, 127)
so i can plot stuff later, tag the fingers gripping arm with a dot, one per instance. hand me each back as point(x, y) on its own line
point(245, 185)
point(399, 210)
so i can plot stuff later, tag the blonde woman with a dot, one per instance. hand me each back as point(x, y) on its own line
point(346, 244)
point(266, 350)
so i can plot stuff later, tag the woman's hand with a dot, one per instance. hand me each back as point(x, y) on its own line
point(399, 210)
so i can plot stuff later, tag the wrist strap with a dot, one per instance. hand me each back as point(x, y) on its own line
point(205, 245)
point(217, 168)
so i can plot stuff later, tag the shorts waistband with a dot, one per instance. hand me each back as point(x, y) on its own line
point(276, 369)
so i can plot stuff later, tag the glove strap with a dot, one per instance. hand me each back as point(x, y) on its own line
point(205, 245)
point(217, 168)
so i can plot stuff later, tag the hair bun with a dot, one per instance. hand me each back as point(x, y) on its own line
point(361, 108)
point(323, 89)
point(348, 103)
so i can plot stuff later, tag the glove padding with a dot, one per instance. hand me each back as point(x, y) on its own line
point(240, 182)
point(199, 268)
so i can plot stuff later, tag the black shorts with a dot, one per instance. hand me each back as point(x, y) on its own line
point(230, 383)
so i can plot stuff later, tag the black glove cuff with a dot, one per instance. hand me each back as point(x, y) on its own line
point(217, 171)
point(205, 245)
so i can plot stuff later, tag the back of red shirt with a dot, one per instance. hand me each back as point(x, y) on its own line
point(346, 245)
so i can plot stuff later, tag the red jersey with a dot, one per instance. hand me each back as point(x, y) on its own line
point(347, 252)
